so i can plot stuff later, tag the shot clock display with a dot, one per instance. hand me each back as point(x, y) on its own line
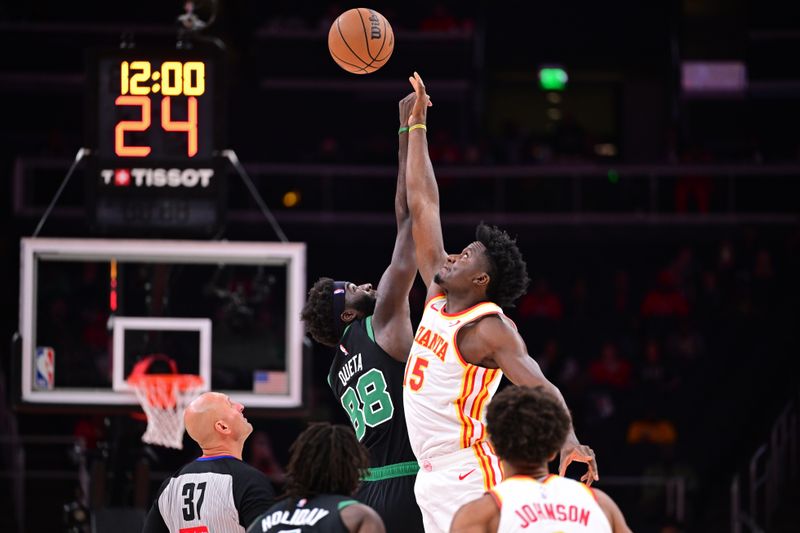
point(154, 125)
point(173, 79)
point(158, 105)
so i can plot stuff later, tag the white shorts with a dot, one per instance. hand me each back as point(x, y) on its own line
point(447, 482)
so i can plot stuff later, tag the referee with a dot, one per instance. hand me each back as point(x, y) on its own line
point(217, 492)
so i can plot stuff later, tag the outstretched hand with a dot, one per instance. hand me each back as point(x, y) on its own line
point(582, 454)
point(406, 104)
point(419, 111)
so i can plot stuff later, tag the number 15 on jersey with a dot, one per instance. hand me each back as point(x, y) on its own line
point(415, 377)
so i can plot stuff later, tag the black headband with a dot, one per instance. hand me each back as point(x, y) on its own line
point(339, 289)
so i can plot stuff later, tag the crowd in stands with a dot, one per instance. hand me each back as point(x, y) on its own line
point(643, 353)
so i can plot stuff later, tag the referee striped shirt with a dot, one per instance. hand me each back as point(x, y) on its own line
point(217, 494)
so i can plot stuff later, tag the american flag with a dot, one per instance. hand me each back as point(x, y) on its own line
point(270, 382)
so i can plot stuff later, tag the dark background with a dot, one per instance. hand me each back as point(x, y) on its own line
point(660, 228)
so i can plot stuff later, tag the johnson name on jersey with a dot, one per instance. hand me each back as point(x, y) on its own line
point(553, 504)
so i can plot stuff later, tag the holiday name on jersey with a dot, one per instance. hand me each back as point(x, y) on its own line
point(300, 517)
point(348, 369)
point(535, 512)
point(431, 341)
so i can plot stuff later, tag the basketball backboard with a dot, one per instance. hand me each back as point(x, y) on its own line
point(227, 311)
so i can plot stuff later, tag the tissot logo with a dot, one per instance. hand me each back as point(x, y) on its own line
point(157, 177)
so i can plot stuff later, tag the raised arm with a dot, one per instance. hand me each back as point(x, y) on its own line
point(423, 193)
point(494, 343)
point(392, 320)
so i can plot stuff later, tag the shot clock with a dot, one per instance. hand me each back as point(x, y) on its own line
point(155, 123)
point(173, 79)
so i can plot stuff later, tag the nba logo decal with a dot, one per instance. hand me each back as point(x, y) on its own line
point(44, 376)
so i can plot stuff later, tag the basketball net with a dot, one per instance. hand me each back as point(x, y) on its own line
point(164, 398)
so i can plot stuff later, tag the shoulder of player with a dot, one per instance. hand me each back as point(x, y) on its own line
point(355, 507)
point(357, 514)
point(602, 499)
point(392, 338)
point(165, 484)
point(214, 465)
point(222, 466)
point(479, 511)
point(492, 328)
point(249, 470)
point(238, 464)
point(487, 504)
point(482, 340)
point(199, 466)
point(611, 510)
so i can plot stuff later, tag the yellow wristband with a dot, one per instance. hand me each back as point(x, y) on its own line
point(417, 127)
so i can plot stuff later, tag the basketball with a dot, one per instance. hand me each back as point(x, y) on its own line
point(361, 40)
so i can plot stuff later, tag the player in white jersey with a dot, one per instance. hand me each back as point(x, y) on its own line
point(528, 427)
point(463, 345)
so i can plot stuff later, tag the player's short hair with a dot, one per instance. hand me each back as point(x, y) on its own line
point(318, 313)
point(507, 269)
point(527, 425)
point(325, 459)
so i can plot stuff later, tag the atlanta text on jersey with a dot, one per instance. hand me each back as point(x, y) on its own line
point(431, 341)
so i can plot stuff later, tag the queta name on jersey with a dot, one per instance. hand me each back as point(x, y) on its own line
point(300, 517)
point(349, 368)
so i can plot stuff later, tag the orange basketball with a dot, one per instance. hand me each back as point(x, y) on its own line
point(361, 40)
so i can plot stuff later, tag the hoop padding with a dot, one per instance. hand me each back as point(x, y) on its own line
point(164, 398)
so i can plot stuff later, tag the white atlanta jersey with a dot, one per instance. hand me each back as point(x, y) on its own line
point(445, 397)
point(554, 504)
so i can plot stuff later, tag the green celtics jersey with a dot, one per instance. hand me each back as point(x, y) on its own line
point(369, 386)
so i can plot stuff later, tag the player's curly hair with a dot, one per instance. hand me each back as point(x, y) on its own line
point(526, 425)
point(325, 459)
point(507, 269)
point(318, 313)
